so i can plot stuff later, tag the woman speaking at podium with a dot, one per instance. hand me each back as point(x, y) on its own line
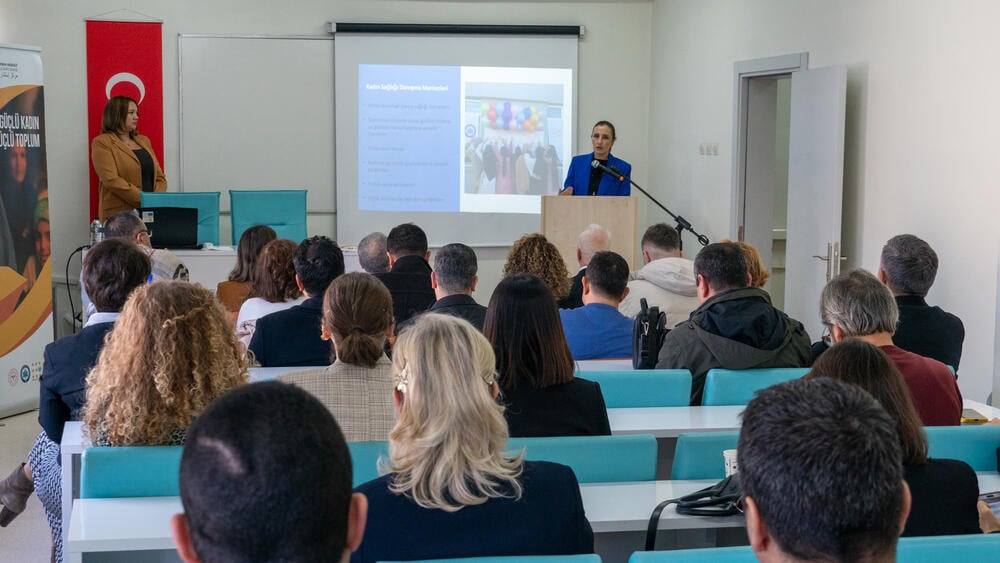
point(585, 179)
point(124, 160)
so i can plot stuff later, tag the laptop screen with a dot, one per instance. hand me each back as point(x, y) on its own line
point(171, 227)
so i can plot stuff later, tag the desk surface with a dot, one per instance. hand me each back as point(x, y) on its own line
point(136, 524)
point(662, 422)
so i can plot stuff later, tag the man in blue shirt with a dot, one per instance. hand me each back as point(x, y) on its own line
point(598, 330)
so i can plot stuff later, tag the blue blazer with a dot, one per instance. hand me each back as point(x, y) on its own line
point(292, 337)
point(547, 520)
point(63, 387)
point(578, 176)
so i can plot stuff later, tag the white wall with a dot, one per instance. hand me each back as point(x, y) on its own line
point(921, 134)
point(613, 81)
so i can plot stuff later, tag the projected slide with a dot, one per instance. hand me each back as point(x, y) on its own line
point(461, 139)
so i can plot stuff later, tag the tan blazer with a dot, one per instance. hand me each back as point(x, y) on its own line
point(120, 174)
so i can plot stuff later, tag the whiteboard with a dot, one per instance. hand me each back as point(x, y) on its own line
point(256, 112)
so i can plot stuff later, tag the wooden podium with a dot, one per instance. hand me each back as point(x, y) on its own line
point(565, 217)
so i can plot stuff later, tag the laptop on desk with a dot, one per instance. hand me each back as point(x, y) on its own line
point(171, 227)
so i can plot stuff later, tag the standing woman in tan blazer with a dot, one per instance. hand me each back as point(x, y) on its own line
point(124, 160)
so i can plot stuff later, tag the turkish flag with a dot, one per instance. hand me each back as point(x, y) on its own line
point(125, 59)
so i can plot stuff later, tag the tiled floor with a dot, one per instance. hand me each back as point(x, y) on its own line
point(26, 539)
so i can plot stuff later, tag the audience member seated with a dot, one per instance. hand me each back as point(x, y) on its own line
point(944, 491)
point(735, 327)
point(235, 290)
point(450, 491)
point(598, 330)
point(855, 304)
point(755, 264)
point(293, 337)
point(111, 271)
point(909, 266)
point(244, 501)
point(591, 241)
point(409, 275)
point(534, 254)
point(535, 367)
point(171, 354)
point(667, 279)
point(373, 254)
point(128, 226)
point(821, 470)
point(272, 287)
point(454, 279)
point(357, 387)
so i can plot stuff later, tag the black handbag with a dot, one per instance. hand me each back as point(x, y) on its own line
point(721, 499)
point(647, 335)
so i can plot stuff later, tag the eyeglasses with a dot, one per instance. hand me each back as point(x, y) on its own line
point(827, 338)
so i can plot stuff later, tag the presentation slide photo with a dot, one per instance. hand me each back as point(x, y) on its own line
point(460, 139)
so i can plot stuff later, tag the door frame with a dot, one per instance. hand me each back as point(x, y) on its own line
point(743, 71)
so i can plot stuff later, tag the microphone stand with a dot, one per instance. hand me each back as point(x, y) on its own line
point(682, 223)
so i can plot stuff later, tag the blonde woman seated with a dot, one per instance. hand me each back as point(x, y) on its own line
point(450, 490)
point(171, 353)
point(272, 287)
point(357, 387)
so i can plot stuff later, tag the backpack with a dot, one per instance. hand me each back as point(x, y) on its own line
point(647, 335)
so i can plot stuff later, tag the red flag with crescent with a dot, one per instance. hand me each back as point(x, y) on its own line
point(125, 59)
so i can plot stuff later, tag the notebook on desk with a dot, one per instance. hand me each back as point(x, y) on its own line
point(171, 227)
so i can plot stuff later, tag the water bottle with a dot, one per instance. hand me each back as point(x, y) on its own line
point(96, 232)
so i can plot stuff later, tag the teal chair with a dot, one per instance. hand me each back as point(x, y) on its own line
point(595, 459)
point(928, 549)
point(975, 445)
point(589, 558)
point(132, 471)
point(698, 455)
point(364, 459)
point(207, 204)
point(282, 210)
point(643, 387)
point(737, 386)
point(934, 549)
point(739, 554)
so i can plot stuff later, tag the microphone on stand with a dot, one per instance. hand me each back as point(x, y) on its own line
point(682, 223)
point(607, 170)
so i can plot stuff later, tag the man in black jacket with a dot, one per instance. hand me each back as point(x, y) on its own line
point(454, 279)
point(735, 327)
point(409, 275)
point(908, 267)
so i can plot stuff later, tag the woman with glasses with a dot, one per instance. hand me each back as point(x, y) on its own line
point(583, 178)
point(450, 489)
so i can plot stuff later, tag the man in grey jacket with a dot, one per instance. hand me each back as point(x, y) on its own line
point(667, 279)
point(735, 327)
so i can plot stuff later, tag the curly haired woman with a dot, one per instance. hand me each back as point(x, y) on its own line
point(534, 254)
point(173, 352)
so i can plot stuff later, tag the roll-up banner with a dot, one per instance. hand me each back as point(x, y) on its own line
point(25, 264)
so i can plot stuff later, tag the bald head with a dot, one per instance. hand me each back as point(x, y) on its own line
point(593, 240)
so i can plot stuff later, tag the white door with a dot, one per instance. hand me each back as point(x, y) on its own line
point(815, 190)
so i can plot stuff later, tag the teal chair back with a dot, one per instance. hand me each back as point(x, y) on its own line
point(739, 554)
point(588, 558)
point(133, 471)
point(927, 549)
point(934, 549)
point(595, 459)
point(643, 387)
point(207, 204)
point(364, 459)
point(698, 455)
point(737, 386)
point(975, 445)
point(282, 210)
